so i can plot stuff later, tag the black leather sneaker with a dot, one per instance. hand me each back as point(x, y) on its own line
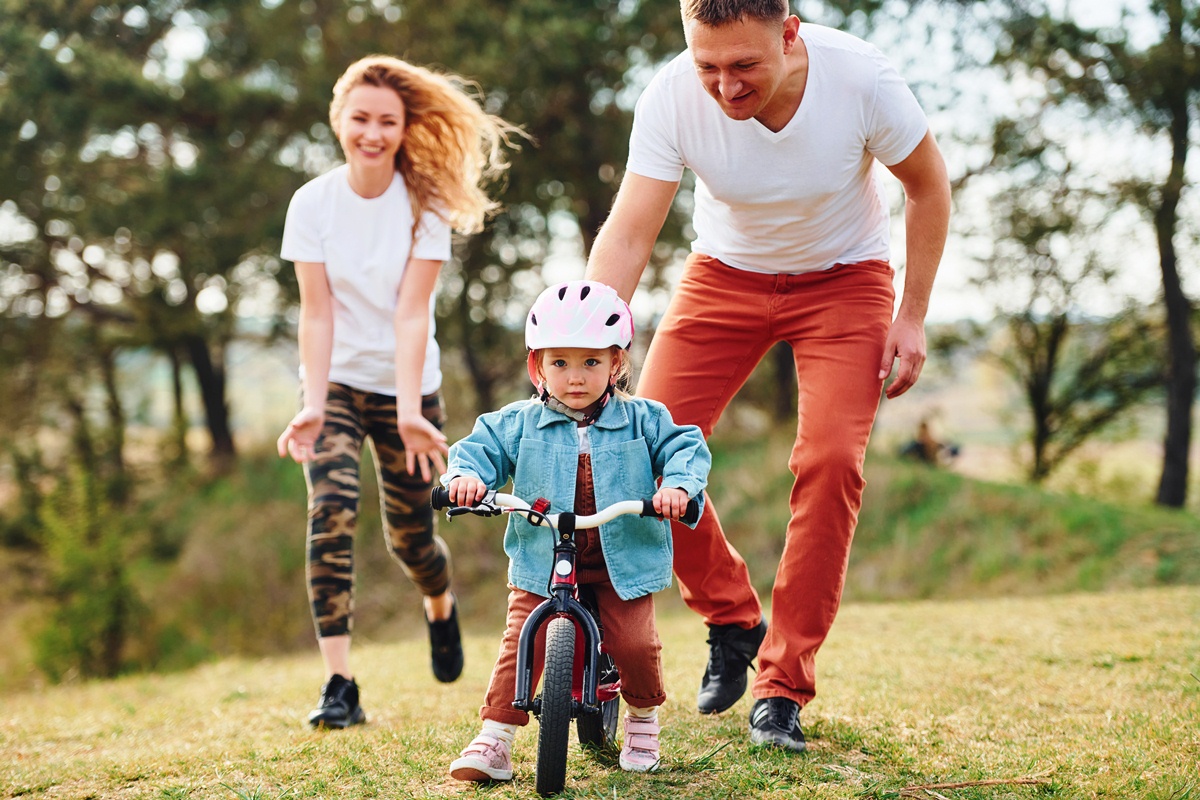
point(445, 646)
point(338, 706)
point(731, 651)
point(775, 722)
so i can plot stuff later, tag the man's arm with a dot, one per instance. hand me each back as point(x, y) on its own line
point(926, 222)
point(623, 246)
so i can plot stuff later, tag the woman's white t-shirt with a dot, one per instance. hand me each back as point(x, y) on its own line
point(365, 245)
point(797, 200)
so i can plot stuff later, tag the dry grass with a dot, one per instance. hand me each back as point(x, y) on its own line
point(1080, 696)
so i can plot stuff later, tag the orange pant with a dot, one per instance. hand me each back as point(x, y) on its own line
point(719, 324)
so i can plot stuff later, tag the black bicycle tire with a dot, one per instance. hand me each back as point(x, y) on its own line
point(554, 722)
point(599, 731)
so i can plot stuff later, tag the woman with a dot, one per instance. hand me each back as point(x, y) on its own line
point(368, 239)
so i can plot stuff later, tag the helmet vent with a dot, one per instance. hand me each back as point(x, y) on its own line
point(613, 320)
point(533, 318)
point(583, 293)
point(562, 293)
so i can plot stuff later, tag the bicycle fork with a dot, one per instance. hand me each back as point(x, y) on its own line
point(563, 602)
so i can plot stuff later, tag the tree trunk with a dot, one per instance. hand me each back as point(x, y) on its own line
point(481, 377)
point(117, 487)
point(82, 440)
point(115, 634)
point(1044, 345)
point(210, 374)
point(1181, 370)
point(177, 456)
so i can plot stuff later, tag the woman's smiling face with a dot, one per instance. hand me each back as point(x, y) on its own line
point(371, 126)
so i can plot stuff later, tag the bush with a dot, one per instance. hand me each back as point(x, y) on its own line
point(95, 609)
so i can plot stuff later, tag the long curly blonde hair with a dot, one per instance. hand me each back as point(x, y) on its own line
point(452, 148)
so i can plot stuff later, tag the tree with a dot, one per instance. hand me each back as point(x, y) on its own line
point(1111, 75)
point(1078, 372)
point(148, 183)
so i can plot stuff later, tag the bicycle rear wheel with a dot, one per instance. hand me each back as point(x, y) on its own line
point(554, 722)
point(599, 731)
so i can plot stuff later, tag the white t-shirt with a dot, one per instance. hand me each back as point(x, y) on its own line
point(804, 198)
point(365, 245)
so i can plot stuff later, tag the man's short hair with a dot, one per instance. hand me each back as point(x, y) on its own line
point(722, 12)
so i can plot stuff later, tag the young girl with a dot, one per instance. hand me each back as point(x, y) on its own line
point(368, 239)
point(582, 444)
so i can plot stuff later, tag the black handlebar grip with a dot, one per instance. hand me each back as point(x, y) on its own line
point(440, 498)
point(691, 515)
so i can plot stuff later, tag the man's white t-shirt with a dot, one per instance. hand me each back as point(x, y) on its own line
point(800, 199)
point(365, 245)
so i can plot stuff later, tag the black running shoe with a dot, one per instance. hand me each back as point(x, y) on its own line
point(775, 722)
point(731, 651)
point(445, 645)
point(338, 707)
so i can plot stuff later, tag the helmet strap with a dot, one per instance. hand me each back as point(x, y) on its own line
point(554, 404)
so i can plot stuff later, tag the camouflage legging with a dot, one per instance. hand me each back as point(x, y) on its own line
point(333, 493)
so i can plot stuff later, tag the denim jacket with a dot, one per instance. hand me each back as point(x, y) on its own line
point(633, 442)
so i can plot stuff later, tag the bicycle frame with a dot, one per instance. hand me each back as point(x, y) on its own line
point(563, 602)
point(564, 588)
point(569, 689)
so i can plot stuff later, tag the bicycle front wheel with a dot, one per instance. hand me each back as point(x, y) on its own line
point(555, 719)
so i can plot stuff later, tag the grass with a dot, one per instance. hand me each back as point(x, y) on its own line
point(1080, 696)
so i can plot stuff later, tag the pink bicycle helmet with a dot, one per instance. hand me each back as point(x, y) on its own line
point(577, 314)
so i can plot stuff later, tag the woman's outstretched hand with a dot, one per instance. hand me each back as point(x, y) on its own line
point(424, 446)
point(299, 438)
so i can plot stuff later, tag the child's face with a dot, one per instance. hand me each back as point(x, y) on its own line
point(578, 376)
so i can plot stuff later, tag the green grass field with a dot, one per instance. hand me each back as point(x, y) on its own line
point(1070, 696)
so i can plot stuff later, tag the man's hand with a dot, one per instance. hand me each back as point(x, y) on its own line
point(906, 342)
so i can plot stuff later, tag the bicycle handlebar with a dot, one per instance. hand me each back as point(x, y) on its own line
point(494, 503)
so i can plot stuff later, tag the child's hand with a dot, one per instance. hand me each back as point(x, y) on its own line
point(466, 490)
point(670, 503)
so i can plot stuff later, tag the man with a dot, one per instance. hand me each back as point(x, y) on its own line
point(781, 122)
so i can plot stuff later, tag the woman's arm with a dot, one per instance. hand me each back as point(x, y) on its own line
point(424, 444)
point(316, 348)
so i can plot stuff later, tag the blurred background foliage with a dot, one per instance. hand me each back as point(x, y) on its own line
point(150, 150)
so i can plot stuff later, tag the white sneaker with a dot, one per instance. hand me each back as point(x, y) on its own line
point(486, 758)
point(639, 750)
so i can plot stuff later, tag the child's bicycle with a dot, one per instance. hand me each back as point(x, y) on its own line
point(579, 679)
